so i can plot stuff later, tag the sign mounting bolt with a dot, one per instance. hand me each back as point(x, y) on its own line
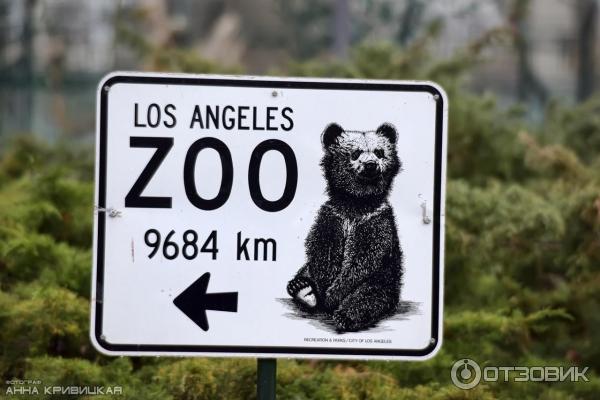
point(426, 219)
point(112, 212)
point(274, 93)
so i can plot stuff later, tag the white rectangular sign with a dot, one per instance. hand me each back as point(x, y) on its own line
point(245, 216)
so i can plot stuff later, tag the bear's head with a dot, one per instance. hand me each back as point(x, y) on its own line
point(360, 165)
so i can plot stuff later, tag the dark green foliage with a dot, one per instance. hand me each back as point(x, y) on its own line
point(566, 126)
point(522, 278)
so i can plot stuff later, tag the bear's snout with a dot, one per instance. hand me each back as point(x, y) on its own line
point(369, 170)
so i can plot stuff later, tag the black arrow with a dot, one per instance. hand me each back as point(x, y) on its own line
point(194, 301)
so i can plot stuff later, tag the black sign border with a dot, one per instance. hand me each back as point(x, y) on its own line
point(267, 84)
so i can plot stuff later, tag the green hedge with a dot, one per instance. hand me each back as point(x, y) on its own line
point(522, 259)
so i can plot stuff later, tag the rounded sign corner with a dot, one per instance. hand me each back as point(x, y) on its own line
point(101, 344)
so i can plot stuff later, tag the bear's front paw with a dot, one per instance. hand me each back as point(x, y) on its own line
point(301, 289)
point(343, 321)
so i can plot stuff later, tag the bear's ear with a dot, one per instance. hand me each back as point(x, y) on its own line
point(330, 134)
point(388, 131)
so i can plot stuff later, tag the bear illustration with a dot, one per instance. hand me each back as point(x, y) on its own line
point(353, 268)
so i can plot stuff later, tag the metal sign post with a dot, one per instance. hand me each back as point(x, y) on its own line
point(266, 378)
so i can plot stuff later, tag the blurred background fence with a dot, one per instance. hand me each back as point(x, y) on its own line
point(53, 52)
